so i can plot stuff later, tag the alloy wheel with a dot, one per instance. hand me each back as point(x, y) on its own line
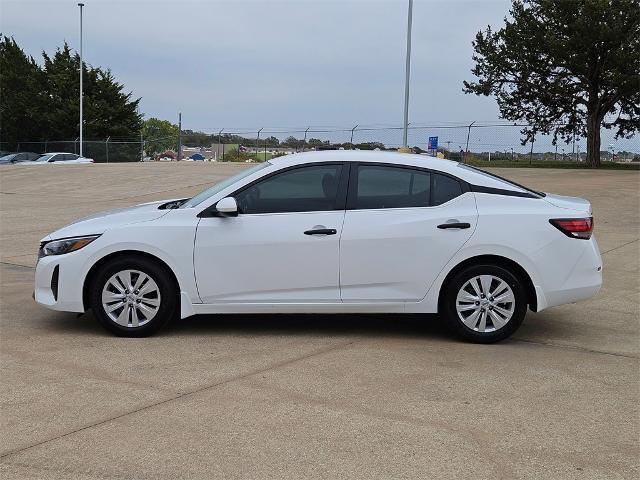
point(131, 298)
point(485, 303)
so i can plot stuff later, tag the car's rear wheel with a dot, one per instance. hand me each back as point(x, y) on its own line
point(133, 297)
point(485, 303)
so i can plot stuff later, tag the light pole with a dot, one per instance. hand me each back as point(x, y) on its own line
point(81, 5)
point(407, 75)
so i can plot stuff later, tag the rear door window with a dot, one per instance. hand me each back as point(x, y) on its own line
point(381, 186)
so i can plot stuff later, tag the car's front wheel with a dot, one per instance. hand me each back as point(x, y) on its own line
point(485, 303)
point(133, 297)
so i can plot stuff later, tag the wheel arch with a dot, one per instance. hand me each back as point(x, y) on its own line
point(89, 278)
point(498, 260)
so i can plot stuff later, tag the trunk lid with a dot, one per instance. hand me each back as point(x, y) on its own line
point(570, 203)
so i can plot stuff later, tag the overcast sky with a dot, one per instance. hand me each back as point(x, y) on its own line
point(273, 63)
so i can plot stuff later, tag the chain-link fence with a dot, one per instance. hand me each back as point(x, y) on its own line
point(102, 151)
point(467, 141)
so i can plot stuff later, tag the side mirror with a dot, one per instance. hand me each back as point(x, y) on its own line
point(227, 207)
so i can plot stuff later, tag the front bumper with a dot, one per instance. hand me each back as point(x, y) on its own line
point(67, 295)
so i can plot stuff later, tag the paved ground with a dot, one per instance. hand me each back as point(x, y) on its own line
point(305, 396)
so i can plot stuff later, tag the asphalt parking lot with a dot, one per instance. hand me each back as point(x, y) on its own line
point(298, 396)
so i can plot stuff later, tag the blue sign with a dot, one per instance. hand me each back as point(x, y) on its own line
point(433, 143)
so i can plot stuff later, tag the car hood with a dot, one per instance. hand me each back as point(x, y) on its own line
point(100, 222)
point(570, 203)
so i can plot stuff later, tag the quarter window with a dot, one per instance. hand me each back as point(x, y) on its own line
point(391, 187)
point(444, 189)
point(306, 189)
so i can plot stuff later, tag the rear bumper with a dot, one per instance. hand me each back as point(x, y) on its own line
point(582, 280)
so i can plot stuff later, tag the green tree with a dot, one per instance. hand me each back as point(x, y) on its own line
point(23, 107)
point(42, 102)
point(159, 135)
point(566, 67)
point(108, 111)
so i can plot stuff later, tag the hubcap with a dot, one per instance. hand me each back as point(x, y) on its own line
point(485, 303)
point(131, 298)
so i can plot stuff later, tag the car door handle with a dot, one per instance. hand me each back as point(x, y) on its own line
point(321, 231)
point(454, 225)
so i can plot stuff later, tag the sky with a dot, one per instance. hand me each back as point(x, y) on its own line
point(286, 65)
point(276, 63)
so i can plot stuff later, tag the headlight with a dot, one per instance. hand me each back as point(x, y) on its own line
point(64, 245)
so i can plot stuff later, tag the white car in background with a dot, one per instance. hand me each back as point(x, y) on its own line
point(330, 232)
point(58, 157)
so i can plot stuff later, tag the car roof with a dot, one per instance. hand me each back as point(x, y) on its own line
point(473, 176)
point(362, 156)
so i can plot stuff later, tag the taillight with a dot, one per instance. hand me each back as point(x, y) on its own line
point(574, 227)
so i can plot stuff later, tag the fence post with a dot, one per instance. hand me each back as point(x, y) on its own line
point(468, 135)
point(106, 147)
point(533, 139)
point(258, 142)
point(352, 130)
point(45, 146)
point(75, 146)
point(304, 142)
point(18, 147)
point(141, 148)
point(220, 143)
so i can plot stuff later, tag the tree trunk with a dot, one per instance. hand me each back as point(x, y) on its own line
point(593, 139)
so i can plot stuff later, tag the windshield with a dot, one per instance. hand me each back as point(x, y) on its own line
point(482, 172)
point(218, 187)
point(43, 158)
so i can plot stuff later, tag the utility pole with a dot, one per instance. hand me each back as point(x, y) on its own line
point(179, 135)
point(81, 93)
point(407, 75)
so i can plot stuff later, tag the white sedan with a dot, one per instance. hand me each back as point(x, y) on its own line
point(330, 232)
point(58, 157)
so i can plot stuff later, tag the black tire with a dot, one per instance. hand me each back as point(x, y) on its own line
point(168, 295)
point(454, 320)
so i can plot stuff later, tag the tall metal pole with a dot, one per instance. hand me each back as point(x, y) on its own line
point(81, 93)
point(407, 75)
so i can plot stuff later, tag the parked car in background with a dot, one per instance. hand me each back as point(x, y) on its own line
point(18, 157)
point(330, 232)
point(59, 157)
